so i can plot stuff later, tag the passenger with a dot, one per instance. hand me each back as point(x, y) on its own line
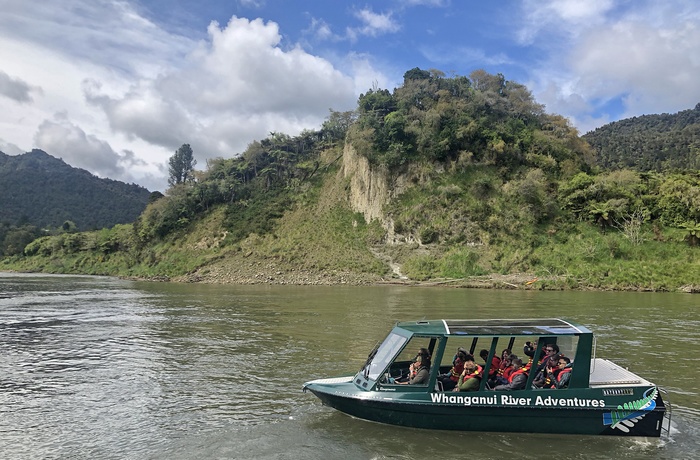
point(505, 369)
point(495, 363)
point(552, 351)
point(505, 362)
point(550, 374)
point(471, 376)
point(529, 350)
point(505, 353)
point(420, 369)
point(517, 380)
point(509, 370)
point(449, 380)
point(564, 374)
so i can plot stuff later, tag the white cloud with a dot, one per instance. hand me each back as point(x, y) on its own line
point(366, 76)
point(80, 149)
point(9, 148)
point(321, 30)
point(373, 24)
point(547, 18)
point(126, 88)
point(622, 62)
point(655, 68)
point(237, 86)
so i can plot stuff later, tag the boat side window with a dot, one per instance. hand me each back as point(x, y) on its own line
point(400, 369)
point(568, 346)
point(453, 344)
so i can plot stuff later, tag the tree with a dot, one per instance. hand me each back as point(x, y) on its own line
point(181, 166)
point(337, 124)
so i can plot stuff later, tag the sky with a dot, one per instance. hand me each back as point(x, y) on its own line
point(116, 87)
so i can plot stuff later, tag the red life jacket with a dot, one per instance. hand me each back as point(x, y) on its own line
point(475, 373)
point(456, 371)
point(519, 371)
point(508, 372)
point(495, 365)
point(502, 366)
point(558, 373)
point(562, 372)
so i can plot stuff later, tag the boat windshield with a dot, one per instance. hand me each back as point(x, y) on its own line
point(385, 353)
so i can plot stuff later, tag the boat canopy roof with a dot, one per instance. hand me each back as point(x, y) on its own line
point(494, 327)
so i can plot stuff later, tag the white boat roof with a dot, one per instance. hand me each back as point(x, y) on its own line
point(496, 327)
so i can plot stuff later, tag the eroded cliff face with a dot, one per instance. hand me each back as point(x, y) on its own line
point(371, 189)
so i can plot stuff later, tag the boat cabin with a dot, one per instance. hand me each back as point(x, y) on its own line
point(390, 361)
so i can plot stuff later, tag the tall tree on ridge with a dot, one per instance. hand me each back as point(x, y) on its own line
point(181, 166)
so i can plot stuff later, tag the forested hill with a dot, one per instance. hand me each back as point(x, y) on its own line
point(43, 191)
point(650, 142)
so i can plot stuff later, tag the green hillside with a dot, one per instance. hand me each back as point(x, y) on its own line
point(450, 180)
point(42, 195)
point(40, 190)
point(650, 143)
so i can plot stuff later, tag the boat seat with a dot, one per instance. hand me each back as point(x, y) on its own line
point(438, 386)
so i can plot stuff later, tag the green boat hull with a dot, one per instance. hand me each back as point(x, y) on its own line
point(493, 417)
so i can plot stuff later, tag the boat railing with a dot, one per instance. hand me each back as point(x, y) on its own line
point(666, 421)
point(593, 350)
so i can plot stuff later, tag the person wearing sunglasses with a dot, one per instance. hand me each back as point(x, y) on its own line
point(564, 374)
point(552, 351)
point(420, 369)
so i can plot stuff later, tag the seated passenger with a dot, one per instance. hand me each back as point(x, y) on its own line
point(549, 377)
point(470, 378)
point(449, 380)
point(564, 374)
point(552, 351)
point(529, 350)
point(502, 367)
point(517, 380)
point(503, 378)
point(420, 369)
point(495, 363)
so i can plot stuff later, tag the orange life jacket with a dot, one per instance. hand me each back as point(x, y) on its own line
point(476, 373)
point(519, 371)
point(562, 372)
point(495, 366)
point(508, 372)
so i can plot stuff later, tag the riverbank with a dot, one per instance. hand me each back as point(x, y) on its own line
point(259, 273)
point(270, 274)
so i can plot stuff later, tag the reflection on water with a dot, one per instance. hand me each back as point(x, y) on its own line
point(102, 368)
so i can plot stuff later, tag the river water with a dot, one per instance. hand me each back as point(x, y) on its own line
point(94, 367)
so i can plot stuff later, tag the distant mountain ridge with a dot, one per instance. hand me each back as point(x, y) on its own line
point(39, 189)
point(650, 142)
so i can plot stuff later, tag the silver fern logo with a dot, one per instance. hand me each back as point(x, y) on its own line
point(629, 413)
